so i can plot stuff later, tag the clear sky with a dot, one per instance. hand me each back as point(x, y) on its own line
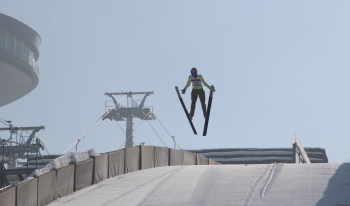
point(279, 67)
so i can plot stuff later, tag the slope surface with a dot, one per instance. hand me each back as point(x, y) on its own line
point(272, 184)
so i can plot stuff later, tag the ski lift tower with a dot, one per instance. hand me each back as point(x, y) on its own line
point(132, 110)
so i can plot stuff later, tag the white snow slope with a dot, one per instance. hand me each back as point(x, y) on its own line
point(273, 184)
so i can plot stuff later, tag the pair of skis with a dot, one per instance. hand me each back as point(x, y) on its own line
point(208, 110)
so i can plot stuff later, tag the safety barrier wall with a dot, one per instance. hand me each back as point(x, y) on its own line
point(212, 162)
point(27, 193)
point(64, 181)
point(202, 160)
point(161, 156)
point(83, 174)
point(132, 159)
point(147, 157)
point(46, 188)
point(176, 157)
point(8, 197)
point(189, 158)
point(100, 168)
point(61, 182)
point(116, 165)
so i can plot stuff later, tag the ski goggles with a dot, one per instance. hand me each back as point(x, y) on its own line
point(194, 73)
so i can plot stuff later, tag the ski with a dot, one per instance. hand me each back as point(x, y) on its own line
point(208, 110)
point(184, 107)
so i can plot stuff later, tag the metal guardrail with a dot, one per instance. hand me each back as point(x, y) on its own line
point(299, 154)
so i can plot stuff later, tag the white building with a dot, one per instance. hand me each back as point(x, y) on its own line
point(19, 52)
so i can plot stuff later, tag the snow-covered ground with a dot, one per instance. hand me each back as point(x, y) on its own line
point(272, 184)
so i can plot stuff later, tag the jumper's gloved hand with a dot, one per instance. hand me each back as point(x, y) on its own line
point(183, 91)
point(213, 88)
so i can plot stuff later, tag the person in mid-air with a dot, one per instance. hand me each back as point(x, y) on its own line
point(197, 90)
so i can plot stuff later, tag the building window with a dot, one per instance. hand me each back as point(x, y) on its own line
point(25, 55)
point(16, 46)
point(2, 41)
point(11, 44)
point(31, 57)
point(19, 46)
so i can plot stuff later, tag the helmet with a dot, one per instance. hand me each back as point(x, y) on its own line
point(194, 71)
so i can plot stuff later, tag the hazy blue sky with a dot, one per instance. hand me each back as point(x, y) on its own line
point(279, 68)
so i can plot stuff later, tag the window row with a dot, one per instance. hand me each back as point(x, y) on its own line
point(17, 47)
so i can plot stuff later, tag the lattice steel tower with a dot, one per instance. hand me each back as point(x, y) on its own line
point(132, 110)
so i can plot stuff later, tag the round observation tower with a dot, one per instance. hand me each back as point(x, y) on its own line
point(19, 52)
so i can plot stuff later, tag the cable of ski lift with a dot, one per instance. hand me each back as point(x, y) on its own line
point(172, 137)
point(120, 127)
point(98, 121)
point(4, 121)
point(157, 133)
point(121, 145)
point(146, 115)
point(134, 130)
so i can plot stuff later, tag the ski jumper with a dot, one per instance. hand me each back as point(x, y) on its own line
point(197, 90)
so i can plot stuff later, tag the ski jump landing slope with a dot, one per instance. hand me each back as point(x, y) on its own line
point(271, 184)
